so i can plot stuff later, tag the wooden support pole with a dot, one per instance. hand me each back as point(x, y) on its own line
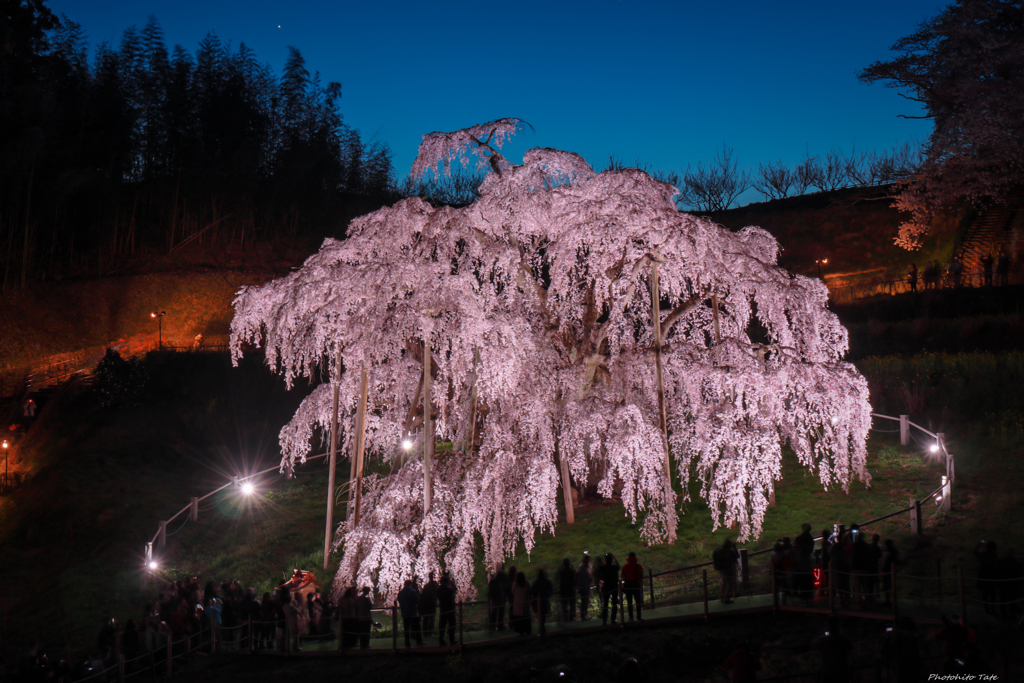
point(915, 518)
point(650, 579)
point(193, 513)
point(947, 494)
point(161, 539)
point(662, 410)
point(332, 466)
point(428, 431)
point(361, 444)
point(904, 430)
point(570, 514)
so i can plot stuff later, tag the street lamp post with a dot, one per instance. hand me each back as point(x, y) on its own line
point(160, 327)
point(821, 262)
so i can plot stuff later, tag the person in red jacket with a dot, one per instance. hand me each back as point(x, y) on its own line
point(633, 585)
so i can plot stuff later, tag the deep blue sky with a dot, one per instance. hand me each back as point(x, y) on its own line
point(666, 83)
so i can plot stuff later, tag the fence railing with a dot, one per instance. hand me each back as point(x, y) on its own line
point(662, 591)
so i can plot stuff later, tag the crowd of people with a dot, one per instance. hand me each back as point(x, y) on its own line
point(513, 602)
point(934, 277)
point(596, 587)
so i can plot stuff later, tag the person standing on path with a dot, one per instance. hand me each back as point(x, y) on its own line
point(408, 603)
point(584, 580)
point(428, 605)
point(633, 585)
point(446, 603)
point(724, 560)
point(609, 587)
point(567, 591)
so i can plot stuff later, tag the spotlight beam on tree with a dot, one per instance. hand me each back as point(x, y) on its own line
point(549, 308)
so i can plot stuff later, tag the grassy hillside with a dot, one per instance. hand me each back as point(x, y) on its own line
point(854, 229)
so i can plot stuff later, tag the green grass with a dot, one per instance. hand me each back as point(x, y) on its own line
point(102, 478)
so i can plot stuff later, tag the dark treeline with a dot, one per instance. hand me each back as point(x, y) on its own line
point(140, 147)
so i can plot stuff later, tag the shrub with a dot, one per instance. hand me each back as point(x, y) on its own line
point(120, 382)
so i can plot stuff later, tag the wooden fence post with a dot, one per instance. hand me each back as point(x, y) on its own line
point(650, 578)
point(915, 518)
point(193, 513)
point(704, 573)
point(744, 569)
point(947, 494)
point(904, 430)
point(161, 538)
point(332, 464)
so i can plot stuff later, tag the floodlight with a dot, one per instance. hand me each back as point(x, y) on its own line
point(934, 448)
point(248, 488)
point(152, 565)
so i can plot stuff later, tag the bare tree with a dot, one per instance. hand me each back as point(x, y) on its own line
point(716, 186)
point(831, 173)
point(806, 175)
point(774, 180)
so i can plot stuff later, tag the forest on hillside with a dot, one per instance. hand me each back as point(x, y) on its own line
point(136, 146)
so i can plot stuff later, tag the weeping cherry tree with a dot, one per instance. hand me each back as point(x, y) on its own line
point(568, 329)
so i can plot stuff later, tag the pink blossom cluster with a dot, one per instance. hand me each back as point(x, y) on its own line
point(536, 304)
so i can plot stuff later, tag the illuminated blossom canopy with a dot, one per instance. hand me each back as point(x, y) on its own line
point(536, 302)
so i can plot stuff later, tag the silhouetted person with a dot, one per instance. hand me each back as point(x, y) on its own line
point(956, 272)
point(496, 599)
point(540, 595)
point(1003, 267)
point(633, 585)
point(408, 603)
point(567, 591)
point(912, 278)
point(584, 579)
point(986, 268)
point(724, 561)
point(428, 605)
point(609, 573)
point(890, 559)
point(446, 604)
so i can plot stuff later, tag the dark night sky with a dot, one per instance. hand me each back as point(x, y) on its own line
point(665, 83)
